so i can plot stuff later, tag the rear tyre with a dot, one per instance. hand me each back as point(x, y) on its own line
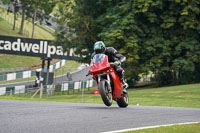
point(123, 101)
point(105, 94)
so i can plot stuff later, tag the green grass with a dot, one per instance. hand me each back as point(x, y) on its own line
point(6, 29)
point(38, 34)
point(189, 128)
point(46, 28)
point(14, 61)
point(17, 80)
point(174, 96)
point(70, 66)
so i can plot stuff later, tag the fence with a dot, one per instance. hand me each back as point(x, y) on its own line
point(10, 20)
point(49, 90)
point(5, 76)
point(62, 81)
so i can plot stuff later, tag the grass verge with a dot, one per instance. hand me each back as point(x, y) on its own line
point(17, 81)
point(186, 128)
point(70, 66)
point(15, 61)
point(174, 96)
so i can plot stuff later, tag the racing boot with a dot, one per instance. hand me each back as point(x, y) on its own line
point(125, 85)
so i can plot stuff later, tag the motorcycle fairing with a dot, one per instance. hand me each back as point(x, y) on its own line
point(117, 84)
point(99, 63)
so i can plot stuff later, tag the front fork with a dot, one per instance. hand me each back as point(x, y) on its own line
point(107, 80)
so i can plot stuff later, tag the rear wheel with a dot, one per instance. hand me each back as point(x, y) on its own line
point(106, 95)
point(123, 101)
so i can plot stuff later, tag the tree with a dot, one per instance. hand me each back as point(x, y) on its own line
point(76, 26)
point(90, 21)
point(154, 35)
point(23, 8)
point(15, 7)
point(171, 38)
point(7, 2)
point(39, 10)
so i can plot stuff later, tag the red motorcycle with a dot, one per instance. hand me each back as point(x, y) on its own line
point(108, 81)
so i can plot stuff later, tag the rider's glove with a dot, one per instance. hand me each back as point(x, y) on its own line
point(116, 63)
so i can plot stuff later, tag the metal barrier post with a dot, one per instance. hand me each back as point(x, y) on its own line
point(83, 95)
point(62, 87)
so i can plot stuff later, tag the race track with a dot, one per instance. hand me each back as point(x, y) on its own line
point(55, 117)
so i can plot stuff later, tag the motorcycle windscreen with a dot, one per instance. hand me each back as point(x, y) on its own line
point(99, 63)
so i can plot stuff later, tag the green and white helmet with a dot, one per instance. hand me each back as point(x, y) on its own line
point(99, 47)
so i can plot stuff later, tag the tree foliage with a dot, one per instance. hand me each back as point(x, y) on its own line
point(155, 35)
point(39, 10)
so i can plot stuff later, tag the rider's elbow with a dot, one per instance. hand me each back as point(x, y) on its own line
point(123, 59)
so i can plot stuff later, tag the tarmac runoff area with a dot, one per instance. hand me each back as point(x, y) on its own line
point(51, 117)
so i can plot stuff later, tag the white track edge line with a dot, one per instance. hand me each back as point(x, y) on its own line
point(140, 128)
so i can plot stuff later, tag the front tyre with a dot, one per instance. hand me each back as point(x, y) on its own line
point(123, 101)
point(105, 94)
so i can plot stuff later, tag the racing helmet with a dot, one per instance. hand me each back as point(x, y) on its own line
point(99, 47)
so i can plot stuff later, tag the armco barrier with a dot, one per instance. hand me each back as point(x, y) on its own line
point(15, 90)
point(28, 74)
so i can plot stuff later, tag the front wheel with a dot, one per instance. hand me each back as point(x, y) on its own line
point(123, 101)
point(106, 95)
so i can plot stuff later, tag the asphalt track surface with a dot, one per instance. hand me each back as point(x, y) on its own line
point(54, 117)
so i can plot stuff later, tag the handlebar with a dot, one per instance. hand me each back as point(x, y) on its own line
point(112, 63)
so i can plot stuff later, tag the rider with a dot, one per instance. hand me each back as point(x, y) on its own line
point(113, 56)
